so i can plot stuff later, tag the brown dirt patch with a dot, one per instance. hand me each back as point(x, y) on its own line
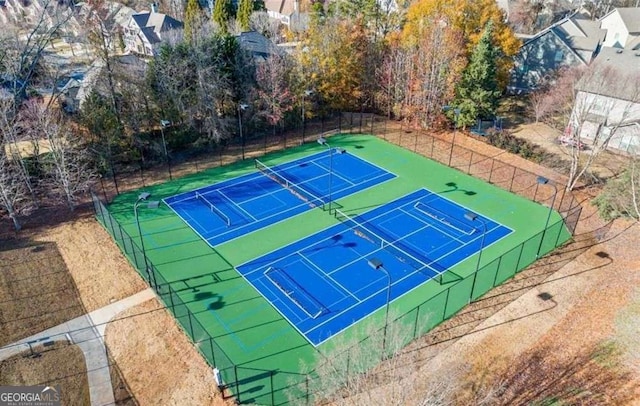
point(158, 361)
point(36, 289)
point(58, 364)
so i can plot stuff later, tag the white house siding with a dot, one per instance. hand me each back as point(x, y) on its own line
point(603, 114)
point(617, 33)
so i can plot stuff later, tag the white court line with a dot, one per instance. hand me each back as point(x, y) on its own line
point(335, 173)
point(324, 274)
point(235, 204)
point(453, 237)
point(278, 299)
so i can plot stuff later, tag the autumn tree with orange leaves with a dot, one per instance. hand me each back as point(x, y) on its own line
point(333, 59)
point(470, 18)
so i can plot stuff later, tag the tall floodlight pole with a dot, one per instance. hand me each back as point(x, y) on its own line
point(544, 181)
point(241, 107)
point(474, 217)
point(306, 93)
point(324, 142)
point(377, 265)
point(163, 125)
point(456, 114)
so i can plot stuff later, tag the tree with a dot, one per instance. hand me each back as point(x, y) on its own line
point(222, 11)
point(352, 372)
point(274, 96)
point(192, 21)
point(470, 18)
point(597, 105)
point(620, 197)
point(245, 8)
point(333, 62)
point(66, 165)
point(14, 196)
point(478, 94)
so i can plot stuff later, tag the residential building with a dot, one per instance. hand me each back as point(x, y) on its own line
point(288, 13)
point(146, 31)
point(259, 46)
point(572, 41)
point(607, 107)
point(623, 28)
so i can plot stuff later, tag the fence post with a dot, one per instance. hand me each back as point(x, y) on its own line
point(493, 161)
point(235, 376)
point(190, 325)
point(273, 400)
point(415, 324)
point(306, 382)
point(513, 177)
point(520, 256)
point(213, 353)
point(495, 278)
point(446, 304)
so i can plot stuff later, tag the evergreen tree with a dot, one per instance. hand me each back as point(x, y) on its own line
point(477, 93)
point(245, 8)
point(191, 20)
point(222, 11)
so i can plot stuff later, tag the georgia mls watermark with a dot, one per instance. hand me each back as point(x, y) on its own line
point(30, 395)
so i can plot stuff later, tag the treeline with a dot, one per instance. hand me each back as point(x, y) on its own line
point(406, 63)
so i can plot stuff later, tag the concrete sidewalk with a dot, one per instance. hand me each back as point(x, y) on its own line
point(87, 332)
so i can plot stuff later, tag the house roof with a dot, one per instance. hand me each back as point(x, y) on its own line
point(284, 7)
point(257, 44)
point(631, 18)
point(153, 24)
point(624, 62)
point(580, 33)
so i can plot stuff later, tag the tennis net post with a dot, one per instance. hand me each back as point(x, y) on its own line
point(213, 208)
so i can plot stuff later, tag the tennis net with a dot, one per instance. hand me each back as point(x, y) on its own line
point(213, 208)
point(373, 237)
point(302, 194)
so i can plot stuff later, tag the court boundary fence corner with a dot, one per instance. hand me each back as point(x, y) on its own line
point(284, 387)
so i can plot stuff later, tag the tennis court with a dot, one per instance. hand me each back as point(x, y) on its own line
point(326, 282)
point(279, 283)
point(226, 210)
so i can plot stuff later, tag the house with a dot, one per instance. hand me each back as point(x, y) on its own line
point(607, 106)
point(146, 31)
point(288, 13)
point(259, 46)
point(573, 41)
point(623, 28)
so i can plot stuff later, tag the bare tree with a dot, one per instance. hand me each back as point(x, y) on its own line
point(273, 94)
point(605, 100)
point(67, 163)
point(355, 372)
point(14, 196)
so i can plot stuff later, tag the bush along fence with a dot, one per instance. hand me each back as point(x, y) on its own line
point(293, 387)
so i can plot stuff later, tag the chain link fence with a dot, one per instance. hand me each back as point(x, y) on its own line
point(282, 387)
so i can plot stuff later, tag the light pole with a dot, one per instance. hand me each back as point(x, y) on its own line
point(544, 181)
point(152, 205)
point(305, 93)
point(323, 141)
point(377, 265)
point(163, 125)
point(456, 114)
point(473, 217)
point(241, 107)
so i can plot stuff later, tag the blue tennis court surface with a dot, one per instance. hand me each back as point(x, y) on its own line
point(324, 283)
point(235, 207)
